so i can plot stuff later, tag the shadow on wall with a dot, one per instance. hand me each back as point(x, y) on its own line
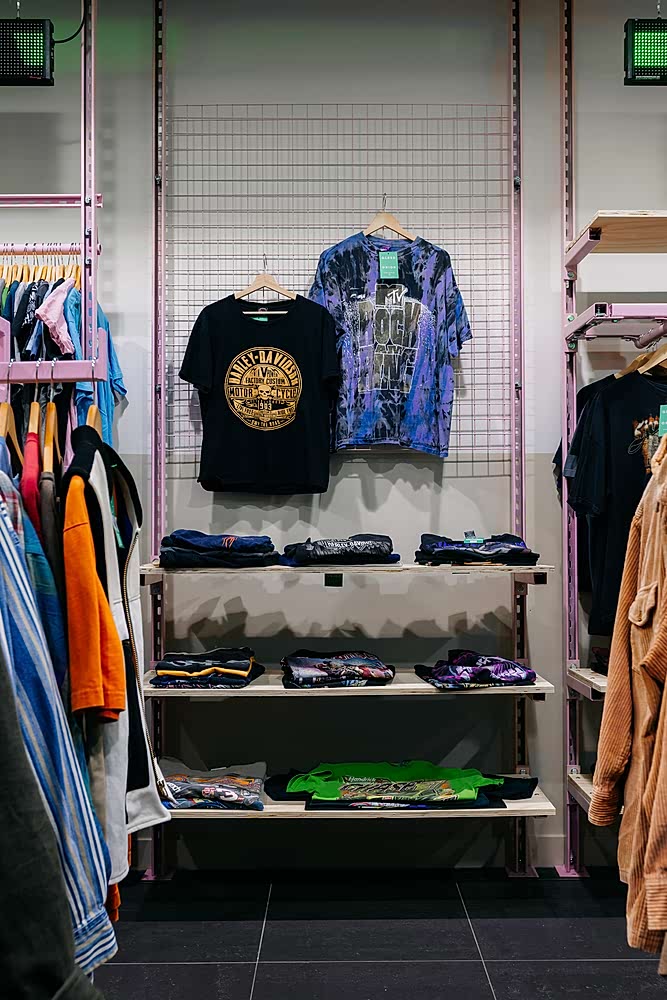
point(33, 167)
point(271, 635)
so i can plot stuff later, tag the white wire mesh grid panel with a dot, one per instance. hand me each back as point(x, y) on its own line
point(287, 181)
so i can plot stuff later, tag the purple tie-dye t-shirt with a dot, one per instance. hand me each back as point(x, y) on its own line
point(396, 339)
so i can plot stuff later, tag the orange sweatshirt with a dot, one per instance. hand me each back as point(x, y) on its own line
point(96, 661)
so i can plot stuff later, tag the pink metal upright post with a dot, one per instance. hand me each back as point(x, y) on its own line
point(159, 445)
point(569, 418)
point(89, 336)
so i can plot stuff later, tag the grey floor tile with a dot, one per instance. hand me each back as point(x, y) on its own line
point(175, 982)
point(372, 981)
point(539, 918)
point(577, 980)
point(359, 920)
point(188, 941)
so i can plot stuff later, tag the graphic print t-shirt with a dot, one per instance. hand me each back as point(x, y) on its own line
point(265, 388)
point(396, 338)
point(617, 437)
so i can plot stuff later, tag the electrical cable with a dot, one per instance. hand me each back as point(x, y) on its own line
point(70, 38)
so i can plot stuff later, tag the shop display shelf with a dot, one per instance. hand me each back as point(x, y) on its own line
point(586, 682)
point(537, 805)
point(580, 787)
point(152, 573)
point(405, 684)
point(620, 232)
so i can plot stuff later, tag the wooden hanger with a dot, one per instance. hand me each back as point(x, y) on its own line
point(94, 418)
point(50, 430)
point(264, 281)
point(634, 365)
point(655, 359)
point(385, 220)
point(8, 429)
point(7, 421)
point(35, 413)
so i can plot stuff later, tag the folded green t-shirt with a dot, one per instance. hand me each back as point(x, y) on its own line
point(418, 780)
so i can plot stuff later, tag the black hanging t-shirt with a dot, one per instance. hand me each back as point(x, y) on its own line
point(266, 386)
point(616, 440)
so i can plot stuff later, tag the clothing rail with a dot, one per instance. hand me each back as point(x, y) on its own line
point(43, 249)
point(46, 371)
point(44, 200)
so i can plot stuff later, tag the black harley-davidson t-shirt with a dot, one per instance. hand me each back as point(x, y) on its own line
point(266, 386)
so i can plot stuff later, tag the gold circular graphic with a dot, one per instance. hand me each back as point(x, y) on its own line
point(263, 388)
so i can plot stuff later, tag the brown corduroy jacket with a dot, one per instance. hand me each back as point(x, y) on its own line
point(631, 770)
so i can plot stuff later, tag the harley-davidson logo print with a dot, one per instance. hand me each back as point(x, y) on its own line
point(263, 388)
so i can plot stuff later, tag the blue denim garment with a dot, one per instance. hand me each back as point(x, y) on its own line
point(199, 541)
point(48, 601)
point(49, 748)
point(83, 392)
point(8, 308)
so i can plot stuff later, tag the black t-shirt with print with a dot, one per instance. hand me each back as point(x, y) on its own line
point(266, 388)
point(616, 439)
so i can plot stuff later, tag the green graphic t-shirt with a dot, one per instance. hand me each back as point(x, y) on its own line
point(414, 780)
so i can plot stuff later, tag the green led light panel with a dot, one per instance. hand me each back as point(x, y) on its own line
point(646, 52)
point(26, 52)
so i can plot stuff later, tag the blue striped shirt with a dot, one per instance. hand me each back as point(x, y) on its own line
point(49, 747)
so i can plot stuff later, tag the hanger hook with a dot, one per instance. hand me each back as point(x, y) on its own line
point(266, 263)
point(38, 363)
point(384, 201)
point(52, 387)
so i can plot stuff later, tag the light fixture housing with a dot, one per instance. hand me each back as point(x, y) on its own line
point(645, 52)
point(26, 52)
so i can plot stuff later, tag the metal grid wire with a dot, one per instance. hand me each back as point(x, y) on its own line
point(287, 181)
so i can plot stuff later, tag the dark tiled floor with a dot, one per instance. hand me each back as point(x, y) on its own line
point(390, 936)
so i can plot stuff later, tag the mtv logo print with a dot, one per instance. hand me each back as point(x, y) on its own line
point(388, 339)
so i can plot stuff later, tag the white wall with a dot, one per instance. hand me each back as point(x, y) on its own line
point(339, 55)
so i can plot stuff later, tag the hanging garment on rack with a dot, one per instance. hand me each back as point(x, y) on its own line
point(32, 468)
point(631, 771)
point(464, 668)
point(34, 895)
point(608, 468)
point(129, 775)
point(49, 746)
point(103, 393)
point(401, 322)
point(357, 550)
point(584, 396)
point(265, 391)
point(307, 668)
point(234, 787)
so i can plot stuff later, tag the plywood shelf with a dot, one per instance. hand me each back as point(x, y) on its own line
point(152, 573)
point(580, 787)
point(405, 684)
point(586, 682)
point(538, 805)
point(620, 232)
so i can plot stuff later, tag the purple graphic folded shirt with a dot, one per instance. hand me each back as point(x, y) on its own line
point(464, 668)
point(399, 324)
point(308, 669)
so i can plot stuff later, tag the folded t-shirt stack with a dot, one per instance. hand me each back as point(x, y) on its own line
point(464, 668)
point(234, 787)
point(413, 784)
point(235, 667)
point(357, 550)
point(185, 549)
point(509, 550)
point(306, 668)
